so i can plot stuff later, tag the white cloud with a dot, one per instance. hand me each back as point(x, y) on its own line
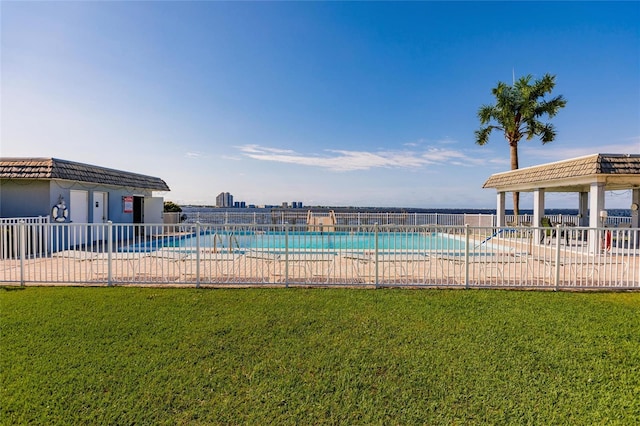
point(417, 154)
point(231, 157)
point(447, 141)
point(437, 155)
point(499, 161)
point(344, 160)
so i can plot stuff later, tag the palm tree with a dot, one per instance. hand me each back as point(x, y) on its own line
point(516, 113)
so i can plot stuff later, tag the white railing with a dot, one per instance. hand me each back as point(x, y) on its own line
point(294, 217)
point(571, 220)
point(37, 219)
point(342, 218)
point(296, 255)
point(33, 240)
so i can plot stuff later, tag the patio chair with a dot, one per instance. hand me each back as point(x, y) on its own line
point(622, 235)
point(212, 267)
point(308, 267)
point(167, 265)
point(547, 234)
point(265, 265)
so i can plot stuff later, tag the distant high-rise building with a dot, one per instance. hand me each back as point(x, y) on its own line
point(224, 199)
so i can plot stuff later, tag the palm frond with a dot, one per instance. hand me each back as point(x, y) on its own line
point(551, 107)
point(548, 133)
point(533, 128)
point(517, 109)
point(482, 135)
point(543, 86)
point(486, 113)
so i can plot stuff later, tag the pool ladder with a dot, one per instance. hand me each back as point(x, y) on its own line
point(218, 238)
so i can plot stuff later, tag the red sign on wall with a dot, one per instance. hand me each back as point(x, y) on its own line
point(127, 204)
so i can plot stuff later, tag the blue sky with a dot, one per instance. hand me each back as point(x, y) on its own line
point(328, 103)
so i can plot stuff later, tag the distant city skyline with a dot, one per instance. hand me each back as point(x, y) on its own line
point(226, 200)
point(329, 103)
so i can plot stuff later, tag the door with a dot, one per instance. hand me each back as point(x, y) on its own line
point(153, 209)
point(138, 209)
point(100, 213)
point(138, 214)
point(79, 217)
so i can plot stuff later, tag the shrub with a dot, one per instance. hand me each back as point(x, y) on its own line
point(171, 207)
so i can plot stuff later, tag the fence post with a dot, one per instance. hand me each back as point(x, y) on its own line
point(109, 251)
point(198, 254)
point(375, 248)
point(466, 255)
point(44, 235)
point(557, 260)
point(23, 240)
point(286, 254)
point(51, 244)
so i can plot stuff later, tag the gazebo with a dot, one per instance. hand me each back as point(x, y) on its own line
point(589, 176)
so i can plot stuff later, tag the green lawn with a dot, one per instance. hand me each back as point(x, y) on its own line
point(321, 356)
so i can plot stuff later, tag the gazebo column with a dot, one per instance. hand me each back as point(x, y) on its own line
point(538, 212)
point(635, 214)
point(583, 209)
point(500, 221)
point(596, 205)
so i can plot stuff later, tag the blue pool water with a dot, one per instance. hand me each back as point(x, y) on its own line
point(297, 241)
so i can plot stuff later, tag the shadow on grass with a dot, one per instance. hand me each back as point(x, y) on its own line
point(11, 288)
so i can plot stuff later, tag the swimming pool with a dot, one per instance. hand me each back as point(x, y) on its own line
point(319, 241)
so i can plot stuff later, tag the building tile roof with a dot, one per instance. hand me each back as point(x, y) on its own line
point(53, 168)
point(589, 166)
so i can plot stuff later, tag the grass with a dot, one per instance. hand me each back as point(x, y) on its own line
point(321, 356)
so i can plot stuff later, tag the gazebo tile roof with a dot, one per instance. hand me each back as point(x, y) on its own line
point(596, 164)
point(53, 168)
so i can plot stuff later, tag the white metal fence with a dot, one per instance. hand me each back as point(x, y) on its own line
point(10, 220)
point(34, 239)
point(368, 255)
point(294, 217)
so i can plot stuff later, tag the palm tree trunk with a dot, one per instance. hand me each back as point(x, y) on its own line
point(513, 148)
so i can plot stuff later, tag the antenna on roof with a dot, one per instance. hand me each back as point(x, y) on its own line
point(513, 75)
